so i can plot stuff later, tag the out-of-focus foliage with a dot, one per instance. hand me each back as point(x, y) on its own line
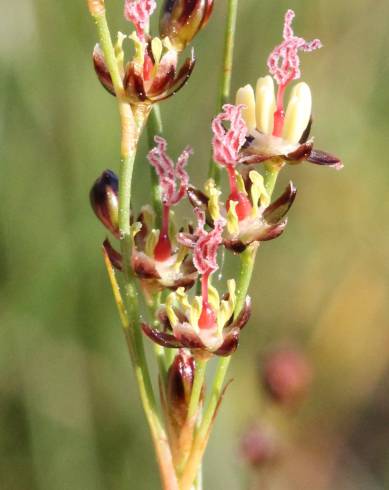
point(70, 417)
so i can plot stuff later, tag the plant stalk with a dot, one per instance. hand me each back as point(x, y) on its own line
point(202, 435)
point(225, 81)
point(155, 128)
point(128, 309)
point(201, 366)
point(246, 270)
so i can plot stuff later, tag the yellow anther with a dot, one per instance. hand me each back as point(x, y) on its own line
point(245, 96)
point(232, 219)
point(213, 194)
point(298, 113)
point(259, 193)
point(265, 104)
point(151, 242)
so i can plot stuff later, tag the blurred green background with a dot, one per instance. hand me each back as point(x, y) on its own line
point(70, 417)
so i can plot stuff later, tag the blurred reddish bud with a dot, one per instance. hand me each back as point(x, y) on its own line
point(259, 446)
point(181, 20)
point(286, 375)
point(104, 200)
point(179, 388)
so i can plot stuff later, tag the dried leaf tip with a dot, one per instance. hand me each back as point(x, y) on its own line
point(96, 7)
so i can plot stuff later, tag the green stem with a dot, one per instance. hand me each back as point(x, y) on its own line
point(161, 444)
point(270, 178)
point(247, 262)
point(155, 128)
point(158, 349)
point(201, 367)
point(202, 435)
point(109, 51)
point(229, 42)
point(225, 82)
point(133, 333)
point(130, 132)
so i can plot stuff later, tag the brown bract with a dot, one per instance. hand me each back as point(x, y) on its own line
point(261, 148)
point(104, 200)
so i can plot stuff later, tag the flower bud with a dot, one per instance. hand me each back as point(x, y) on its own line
point(104, 200)
point(259, 446)
point(181, 20)
point(286, 376)
point(179, 388)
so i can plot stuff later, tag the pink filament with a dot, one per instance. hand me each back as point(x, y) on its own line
point(163, 249)
point(279, 114)
point(208, 316)
point(243, 206)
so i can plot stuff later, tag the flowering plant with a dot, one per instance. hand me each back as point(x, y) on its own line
point(190, 321)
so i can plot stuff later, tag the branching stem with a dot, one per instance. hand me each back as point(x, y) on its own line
point(132, 123)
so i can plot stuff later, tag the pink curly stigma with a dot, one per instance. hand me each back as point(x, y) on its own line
point(284, 62)
point(205, 251)
point(205, 245)
point(227, 143)
point(169, 174)
point(138, 12)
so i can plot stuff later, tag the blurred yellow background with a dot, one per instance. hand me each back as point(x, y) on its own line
point(70, 418)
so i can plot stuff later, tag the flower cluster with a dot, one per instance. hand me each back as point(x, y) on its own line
point(247, 210)
point(206, 323)
point(153, 75)
point(173, 259)
point(158, 259)
point(275, 134)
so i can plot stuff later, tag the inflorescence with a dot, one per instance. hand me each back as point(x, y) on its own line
point(255, 130)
